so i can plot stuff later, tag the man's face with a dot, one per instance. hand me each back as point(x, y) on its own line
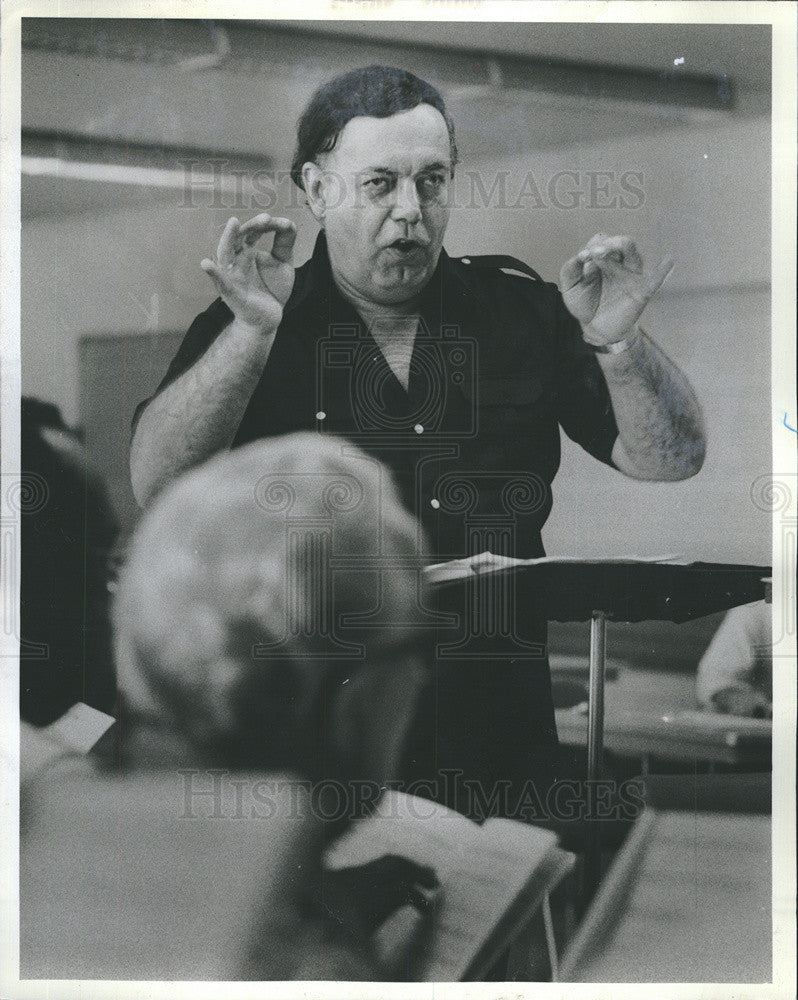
point(385, 191)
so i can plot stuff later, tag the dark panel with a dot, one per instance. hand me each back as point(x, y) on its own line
point(116, 373)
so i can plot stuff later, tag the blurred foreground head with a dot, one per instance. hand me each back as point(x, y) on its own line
point(251, 630)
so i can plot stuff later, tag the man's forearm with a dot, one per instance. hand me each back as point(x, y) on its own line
point(199, 413)
point(660, 425)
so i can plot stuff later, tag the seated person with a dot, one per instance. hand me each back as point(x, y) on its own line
point(256, 677)
point(735, 675)
point(67, 532)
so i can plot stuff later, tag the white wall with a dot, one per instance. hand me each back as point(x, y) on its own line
point(136, 269)
point(707, 204)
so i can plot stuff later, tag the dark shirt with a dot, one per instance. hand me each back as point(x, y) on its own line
point(498, 366)
point(474, 442)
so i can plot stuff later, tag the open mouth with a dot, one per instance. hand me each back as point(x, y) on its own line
point(405, 246)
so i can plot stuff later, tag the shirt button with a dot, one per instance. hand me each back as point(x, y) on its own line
point(435, 504)
point(466, 260)
point(419, 428)
point(321, 415)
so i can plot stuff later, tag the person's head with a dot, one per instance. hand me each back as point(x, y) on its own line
point(235, 613)
point(375, 156)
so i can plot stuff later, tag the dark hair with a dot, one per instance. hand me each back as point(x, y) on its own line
point(68, 528)
point(374, 91)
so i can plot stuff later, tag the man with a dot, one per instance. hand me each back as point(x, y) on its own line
point(453, 373)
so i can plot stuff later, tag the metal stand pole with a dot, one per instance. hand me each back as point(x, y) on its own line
point(595, 747)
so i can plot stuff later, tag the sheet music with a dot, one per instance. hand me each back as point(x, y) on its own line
point(490, 562)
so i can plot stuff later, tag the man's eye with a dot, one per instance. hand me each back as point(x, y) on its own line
point(431, 185)
point(379, 185)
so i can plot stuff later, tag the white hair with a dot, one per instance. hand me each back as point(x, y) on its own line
point(231, 612)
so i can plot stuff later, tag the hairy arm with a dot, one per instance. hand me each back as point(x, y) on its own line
point(660, 424)
point(199, 413)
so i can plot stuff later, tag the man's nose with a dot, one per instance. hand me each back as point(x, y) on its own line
point(406, 206)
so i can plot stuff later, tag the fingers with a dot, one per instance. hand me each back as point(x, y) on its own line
point(659, 275)
point(571, 273)
point(601, 254)
point(401, 941)
point(611, 255)
point(284, 239)
point(425, 876)
point(618, 250)
point(228, 244)
point(284, 234)
point(218, 276)
point(422, 898)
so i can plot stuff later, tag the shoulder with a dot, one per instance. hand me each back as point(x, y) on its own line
point(504, 271)
point(511, 292)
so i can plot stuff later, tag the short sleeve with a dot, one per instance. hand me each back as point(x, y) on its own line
point(200, 335)
point(584, 407)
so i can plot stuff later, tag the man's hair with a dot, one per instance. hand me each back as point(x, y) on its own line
point(375, 92)
point(228, 579)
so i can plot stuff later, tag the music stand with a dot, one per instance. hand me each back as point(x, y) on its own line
point(625, 590)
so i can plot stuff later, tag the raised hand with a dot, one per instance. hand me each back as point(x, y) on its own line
point(606, 287)
point(254, 283)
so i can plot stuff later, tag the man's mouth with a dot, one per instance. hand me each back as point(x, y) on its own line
point(405, 246)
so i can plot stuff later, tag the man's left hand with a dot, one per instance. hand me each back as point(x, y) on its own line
point(606, 287)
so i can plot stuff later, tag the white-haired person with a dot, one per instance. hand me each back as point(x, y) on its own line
point(735, 674)
point(269, 663)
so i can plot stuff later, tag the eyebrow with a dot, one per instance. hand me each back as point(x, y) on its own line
point(388, 170)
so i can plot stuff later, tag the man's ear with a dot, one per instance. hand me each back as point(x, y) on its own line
point(314, 185)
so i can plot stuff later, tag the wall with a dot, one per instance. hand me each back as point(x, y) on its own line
point(707, 204)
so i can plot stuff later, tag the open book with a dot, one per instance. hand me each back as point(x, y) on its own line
point(493, 877)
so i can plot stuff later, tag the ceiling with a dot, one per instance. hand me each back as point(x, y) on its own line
point(234, 89)
point(742, 52)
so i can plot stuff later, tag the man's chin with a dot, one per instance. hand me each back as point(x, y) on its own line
point(402, 282)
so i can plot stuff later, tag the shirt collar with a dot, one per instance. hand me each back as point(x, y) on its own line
point(315, 284)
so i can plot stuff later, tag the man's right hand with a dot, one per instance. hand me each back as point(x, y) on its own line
point(255, 284)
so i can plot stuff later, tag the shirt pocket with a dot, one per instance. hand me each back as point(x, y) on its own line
point(512, 411)
point(511, 392)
